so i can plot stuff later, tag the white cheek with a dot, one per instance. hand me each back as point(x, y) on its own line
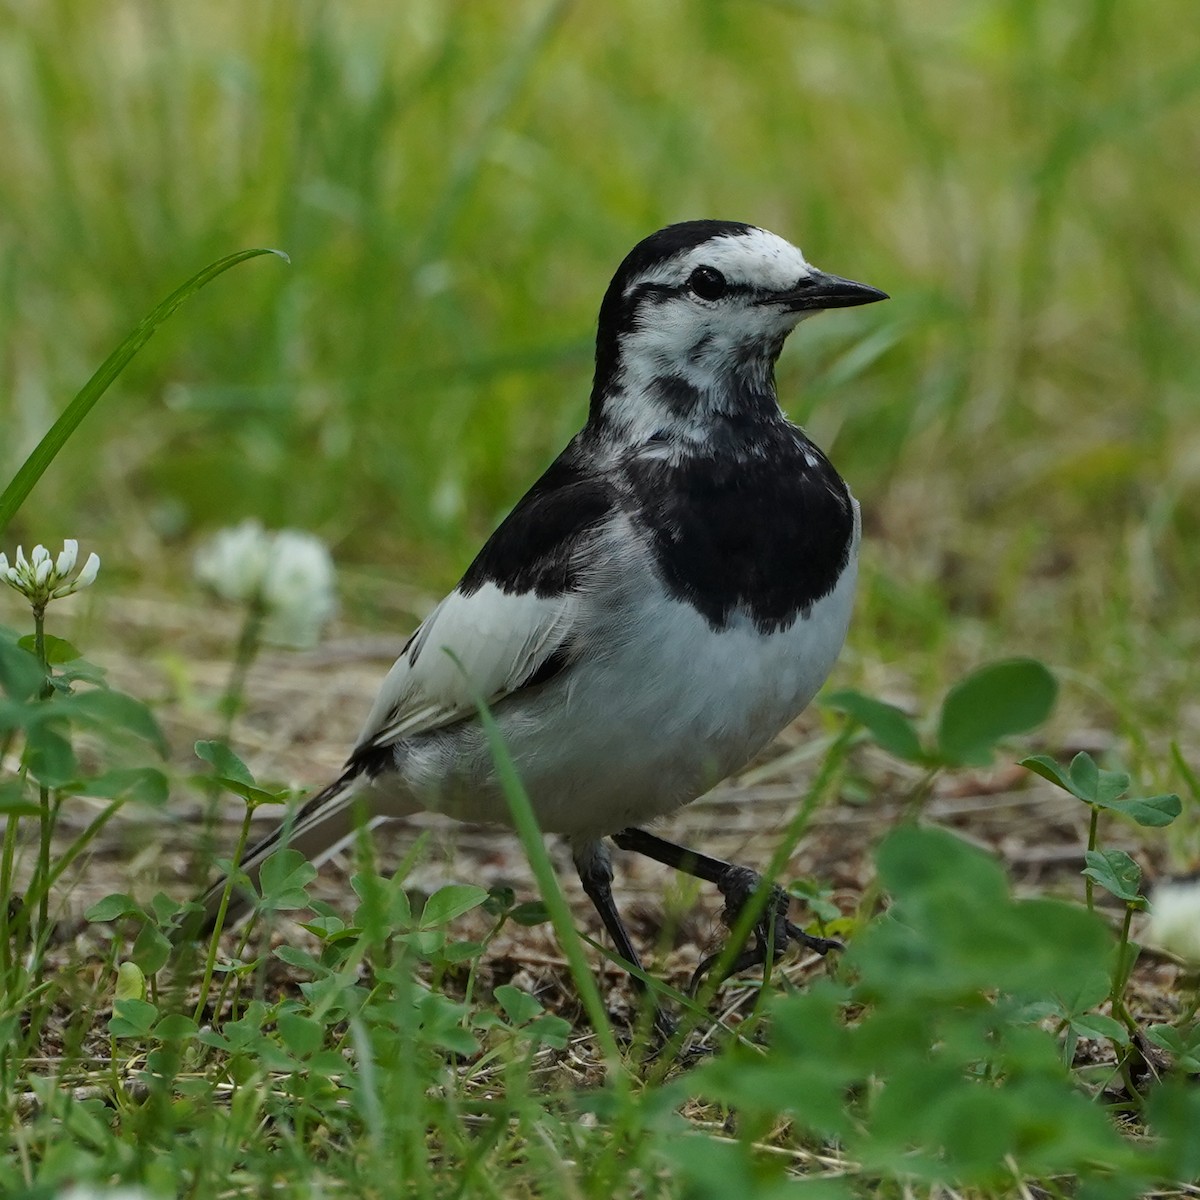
point(696, 344)
point(666, 334)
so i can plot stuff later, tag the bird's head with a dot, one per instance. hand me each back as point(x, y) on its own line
point(695, 318)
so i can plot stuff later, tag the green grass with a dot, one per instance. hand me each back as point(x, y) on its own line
point(368, 1058)
point(454, 185)
point(455, 188)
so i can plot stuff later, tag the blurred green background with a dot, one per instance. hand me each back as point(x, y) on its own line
point(455, 183)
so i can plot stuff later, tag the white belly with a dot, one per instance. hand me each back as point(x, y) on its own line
point(702, 704)
point(661, 710)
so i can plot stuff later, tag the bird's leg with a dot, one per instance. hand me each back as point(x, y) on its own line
point(690, 862)
point(595, 873)
point(772, 933)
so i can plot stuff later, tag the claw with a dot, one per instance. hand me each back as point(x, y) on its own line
point(748, 958)
point(773, 932)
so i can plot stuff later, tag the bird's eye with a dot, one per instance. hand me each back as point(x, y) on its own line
point(708, 283)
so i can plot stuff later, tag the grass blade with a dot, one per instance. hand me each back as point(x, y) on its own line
point(44, 452)
point(530, 835)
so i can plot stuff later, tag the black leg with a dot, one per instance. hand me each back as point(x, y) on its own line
point(595, 873)
point(690, 862)
point(772, 933)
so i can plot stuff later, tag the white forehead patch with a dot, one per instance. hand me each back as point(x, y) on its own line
point(756, 258)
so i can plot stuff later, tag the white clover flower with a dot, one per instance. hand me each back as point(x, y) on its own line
point(233, 563)
point(41, 578)
point(288, 574)
point(1174, 923)
point(298, 590)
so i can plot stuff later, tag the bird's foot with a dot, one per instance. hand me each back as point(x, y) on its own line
point(772, 933)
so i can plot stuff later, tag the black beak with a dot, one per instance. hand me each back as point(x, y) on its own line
point(818, 290)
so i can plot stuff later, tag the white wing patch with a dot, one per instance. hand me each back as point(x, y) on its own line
point(496, 642)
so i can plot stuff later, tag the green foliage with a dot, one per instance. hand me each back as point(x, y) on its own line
point(1074, 1004)
point(45, 721)
point(285, 875)
point(946, 893)
point(15, 494)
point(42, 710)
point(21, 676)
point(888, 726)
point(1117, 873)
point(1084, 780)
point(929, 1064)
point(231, 774)
point(57, 650)
point(450, 902)
point(1174, 1113)
point(1102, 791)
point(991, 704)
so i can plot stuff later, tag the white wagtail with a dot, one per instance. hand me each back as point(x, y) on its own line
point(660, 604)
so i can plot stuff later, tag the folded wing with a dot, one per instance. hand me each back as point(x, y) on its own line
point(486, 645)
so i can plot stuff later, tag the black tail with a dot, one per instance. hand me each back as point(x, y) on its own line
point(318, 830)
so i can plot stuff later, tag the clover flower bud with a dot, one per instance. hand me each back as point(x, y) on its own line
point(42, 578)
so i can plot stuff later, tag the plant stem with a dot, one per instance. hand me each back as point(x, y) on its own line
point(39, 639)
point(915, 800)
point(485, 942)
point(232, 978)
point(229, 706)
point(243, 656)
point(1088, 883)
point(1122, 969)
point(211, 960)
point(6, 896)
point(41, 880)
point(569, 940)
point(1121, 972)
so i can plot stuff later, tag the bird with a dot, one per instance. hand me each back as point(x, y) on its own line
point(662, 602)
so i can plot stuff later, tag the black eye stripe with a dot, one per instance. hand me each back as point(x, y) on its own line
point(660, 293)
